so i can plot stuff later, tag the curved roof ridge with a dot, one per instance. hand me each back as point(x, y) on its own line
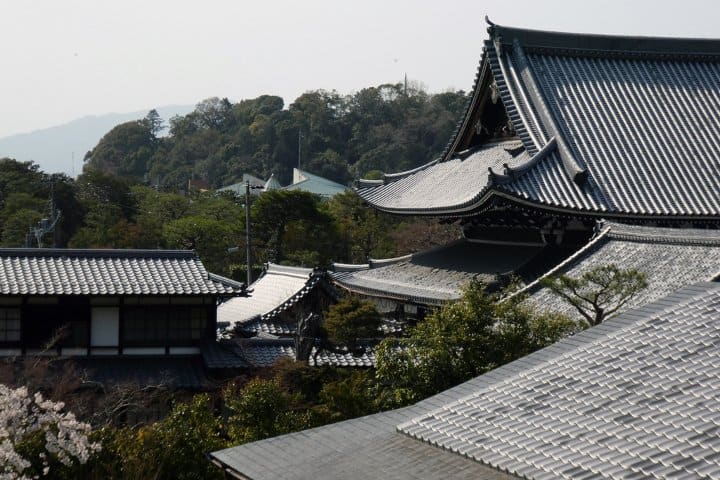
point(631, 45)
point(682, 236)
point(510, 173)
point(391, 177)
point(481, 71)
point(381, 262)
point(349, 267)
point(225, 281)
point(572, 166)
point(277, 269)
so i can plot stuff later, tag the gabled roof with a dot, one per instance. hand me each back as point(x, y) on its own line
point(635, 397)
point(670, 258)
point(435, 276)
point(239, 188)
point(612, 126)
point(277, 290)
point(38, 271)
point(309, 182)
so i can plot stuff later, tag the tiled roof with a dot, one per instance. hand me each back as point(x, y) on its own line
point(220, 355)
point(108, 272)
point(444, 186)
point(613, 126)
point(670, 258)
point(278, 289)
point(636, 397)
point(435, 276)
point(308, 182)
point(265, 352)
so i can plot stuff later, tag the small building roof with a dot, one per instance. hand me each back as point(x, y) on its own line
point(40, 271)
point(612, 126)
point(434, 276)
point(277, 290)
point(635, 397)
point(239, 188)
point(272, 183)
point(670, 258)
point(316, 184)
point(264, 352)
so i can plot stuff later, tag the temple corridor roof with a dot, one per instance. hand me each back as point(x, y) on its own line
point(670, 258)
point(435, 276)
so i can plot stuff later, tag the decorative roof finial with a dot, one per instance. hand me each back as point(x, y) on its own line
point(491, 25)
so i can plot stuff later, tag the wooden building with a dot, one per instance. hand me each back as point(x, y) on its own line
point(87, 303)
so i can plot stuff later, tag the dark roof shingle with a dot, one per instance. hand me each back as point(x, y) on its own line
point(108, 272)
point(612, 126)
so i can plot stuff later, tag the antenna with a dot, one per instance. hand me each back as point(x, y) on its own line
point(46, 225)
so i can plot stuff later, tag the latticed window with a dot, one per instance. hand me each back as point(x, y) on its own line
point(167, 325)
point(9, 325)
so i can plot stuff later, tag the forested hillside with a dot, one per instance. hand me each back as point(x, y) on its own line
point(131, 192)
point(386, 128)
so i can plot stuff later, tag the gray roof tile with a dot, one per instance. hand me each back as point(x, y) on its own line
point(440, 186)
point(437, 275)
point(264, 352)
point(277, 290)
point(598, 410)
point(670, 258)
point(638, 124)
point(108, 272)
point(594, 406)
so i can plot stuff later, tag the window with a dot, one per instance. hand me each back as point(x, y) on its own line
point(164, 326)
point(9, 325)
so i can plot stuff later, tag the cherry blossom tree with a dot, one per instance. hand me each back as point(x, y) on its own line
point(36, 435)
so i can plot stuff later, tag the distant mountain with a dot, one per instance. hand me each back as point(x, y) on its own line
point(53, 148)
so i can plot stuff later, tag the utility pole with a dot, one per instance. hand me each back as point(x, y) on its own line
point(247, 232)
point(299, 147)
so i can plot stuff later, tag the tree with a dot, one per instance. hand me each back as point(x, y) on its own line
point(210, 238)
point(460, 341)
point(154, 122)
point(261, 409)
point(37, 438)
point(364, 231)
point(351, 319)
point(286, 221)
point(125, 150)
point(173, 448)
point(598, 293)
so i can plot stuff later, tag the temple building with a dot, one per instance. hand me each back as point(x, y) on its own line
point(561, 131)
point(140, 316)
point(602, 150)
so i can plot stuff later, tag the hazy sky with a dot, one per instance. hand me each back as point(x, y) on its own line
point(63, 59)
